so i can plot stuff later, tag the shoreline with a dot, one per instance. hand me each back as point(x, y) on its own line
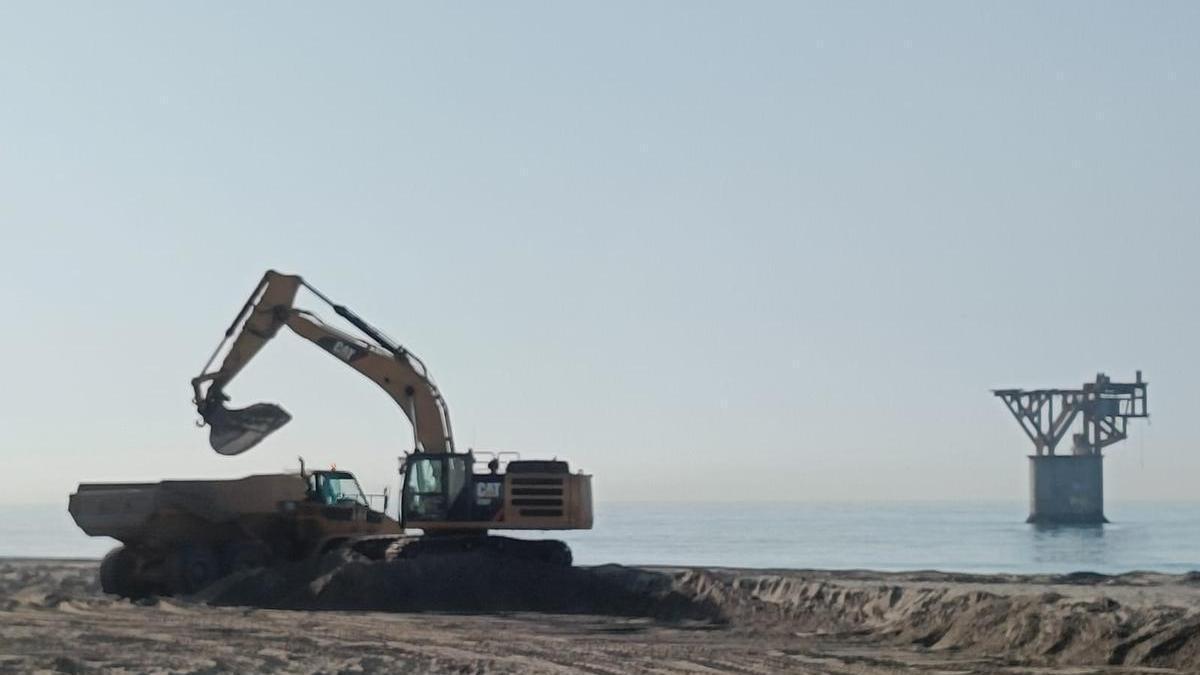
point(848, 571)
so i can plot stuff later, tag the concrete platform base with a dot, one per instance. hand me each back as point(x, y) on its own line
point(1066, 489)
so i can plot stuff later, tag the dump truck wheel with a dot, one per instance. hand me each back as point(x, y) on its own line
point(245, 555)
point(118, 571)
point(192, 568)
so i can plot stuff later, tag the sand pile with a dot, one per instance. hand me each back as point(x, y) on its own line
point(46, 587)
point(1075, 619)
point(843, 622)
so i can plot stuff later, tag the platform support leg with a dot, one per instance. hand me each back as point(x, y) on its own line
point(1066, 489)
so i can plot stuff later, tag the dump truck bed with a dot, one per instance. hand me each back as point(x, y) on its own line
point(172, 510)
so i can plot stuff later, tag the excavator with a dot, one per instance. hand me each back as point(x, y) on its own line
point(442, 492)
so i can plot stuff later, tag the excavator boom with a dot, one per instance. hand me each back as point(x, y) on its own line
point(270, 307)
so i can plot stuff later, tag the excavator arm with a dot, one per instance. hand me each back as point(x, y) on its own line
point(270, 307)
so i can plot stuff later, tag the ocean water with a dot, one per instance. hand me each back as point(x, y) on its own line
point(952, 536)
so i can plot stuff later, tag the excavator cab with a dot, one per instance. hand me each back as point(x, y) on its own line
point(442, 492)
point(438, 487)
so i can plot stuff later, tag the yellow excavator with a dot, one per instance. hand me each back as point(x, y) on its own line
point(442, 492)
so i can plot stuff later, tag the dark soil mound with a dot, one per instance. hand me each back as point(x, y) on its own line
point(475, 582)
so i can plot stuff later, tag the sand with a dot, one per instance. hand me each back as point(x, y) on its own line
point(480, 616)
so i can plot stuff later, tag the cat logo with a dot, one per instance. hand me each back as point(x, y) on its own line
point(486, 493)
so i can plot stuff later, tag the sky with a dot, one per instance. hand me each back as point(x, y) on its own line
point(701, 250)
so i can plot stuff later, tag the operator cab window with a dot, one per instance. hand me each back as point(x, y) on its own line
point(336, 488)
point(425, 477)
point(434, 484)
point(424, 495)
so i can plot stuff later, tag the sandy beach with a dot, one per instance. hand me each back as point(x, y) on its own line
point(356, 616)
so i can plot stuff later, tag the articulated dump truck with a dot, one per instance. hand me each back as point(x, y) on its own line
point(178, 536)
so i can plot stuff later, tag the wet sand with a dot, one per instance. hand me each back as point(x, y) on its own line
point(357, 616)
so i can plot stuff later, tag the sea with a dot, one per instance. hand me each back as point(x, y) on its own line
point(949, 536)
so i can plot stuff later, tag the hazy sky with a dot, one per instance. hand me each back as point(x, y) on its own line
point(702, 250)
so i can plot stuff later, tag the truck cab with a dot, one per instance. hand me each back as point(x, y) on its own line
point(334, 495)
point(334, 488)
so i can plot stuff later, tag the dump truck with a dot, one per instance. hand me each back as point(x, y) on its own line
point(178, 536)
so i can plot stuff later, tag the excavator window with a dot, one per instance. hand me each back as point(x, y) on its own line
point(426, 477)
point(433, 485)
point(457, 476)
point(424, 494)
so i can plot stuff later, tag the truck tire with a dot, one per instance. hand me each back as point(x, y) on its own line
point(118, 573)
point(192, 568)
point(244, 555)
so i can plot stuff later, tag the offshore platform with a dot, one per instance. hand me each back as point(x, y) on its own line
point(1068, 489)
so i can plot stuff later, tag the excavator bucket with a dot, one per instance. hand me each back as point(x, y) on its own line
point(236, 431)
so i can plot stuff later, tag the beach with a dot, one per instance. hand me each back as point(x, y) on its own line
point(474, 617)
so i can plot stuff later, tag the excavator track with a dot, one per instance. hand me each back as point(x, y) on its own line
point(545, 551)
